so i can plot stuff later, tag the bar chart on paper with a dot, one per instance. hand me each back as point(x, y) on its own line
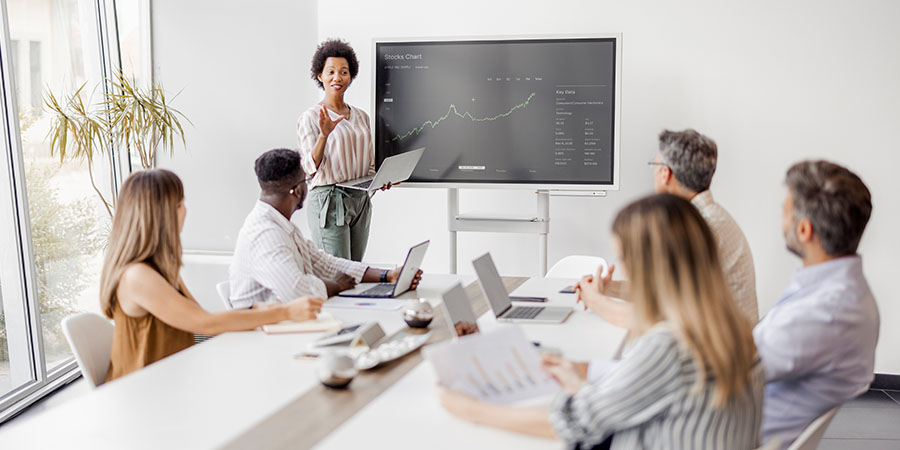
point(499, 367)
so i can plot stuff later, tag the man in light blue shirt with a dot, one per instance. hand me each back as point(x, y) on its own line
point(817, 343)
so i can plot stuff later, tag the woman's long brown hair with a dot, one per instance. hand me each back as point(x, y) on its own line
point(144, 230)
point(672, 261)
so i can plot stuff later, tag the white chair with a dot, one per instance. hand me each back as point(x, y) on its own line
point(810, 437)
point(90, 337)
point(201, 272)
point(773, 444)
point(224, 290)
point(576, 266)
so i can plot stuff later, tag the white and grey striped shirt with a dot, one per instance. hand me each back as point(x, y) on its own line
point(273, 261)
point(734, 251)
point(649, 402)
point(349, 152)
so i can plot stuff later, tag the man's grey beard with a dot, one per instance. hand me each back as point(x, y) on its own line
point(792, 243)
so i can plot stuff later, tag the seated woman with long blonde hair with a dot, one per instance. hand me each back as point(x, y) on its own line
point(140, 286)
point(691, 378)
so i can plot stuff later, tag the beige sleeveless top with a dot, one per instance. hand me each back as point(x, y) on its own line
point(140, 341)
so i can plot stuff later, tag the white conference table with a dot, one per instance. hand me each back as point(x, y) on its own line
point(219, 393)
point(410, 415)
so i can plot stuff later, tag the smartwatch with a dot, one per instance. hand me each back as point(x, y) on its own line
point(384, 274)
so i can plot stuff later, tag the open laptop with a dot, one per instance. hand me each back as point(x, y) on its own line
point(404, 281)
point(394, 169)
point(499, 300)
point(460, 316)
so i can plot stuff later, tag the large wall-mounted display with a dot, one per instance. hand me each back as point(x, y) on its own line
point(506, 112)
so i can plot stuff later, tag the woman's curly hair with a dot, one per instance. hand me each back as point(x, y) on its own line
point(333, 48)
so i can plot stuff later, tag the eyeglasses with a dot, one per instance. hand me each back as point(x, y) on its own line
point(654, 163)
point(303, 181)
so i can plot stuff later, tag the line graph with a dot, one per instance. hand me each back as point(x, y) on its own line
point(465, 115)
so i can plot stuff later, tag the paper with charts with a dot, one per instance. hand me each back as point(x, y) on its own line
point(500, 366)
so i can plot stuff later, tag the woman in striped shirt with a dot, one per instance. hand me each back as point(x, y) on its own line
point(691, 378)
point(336, 146)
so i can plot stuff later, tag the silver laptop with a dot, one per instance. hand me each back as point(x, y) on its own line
point(404, 281)
point(394, 169)
point(499, 300)
point(460, 316)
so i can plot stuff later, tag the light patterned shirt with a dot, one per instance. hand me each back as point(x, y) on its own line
point(817, 344)
point(734, 251)
point(349, 152)
point(649, 401)
point(274, 262)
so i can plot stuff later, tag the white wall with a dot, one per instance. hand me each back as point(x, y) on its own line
point(773, 82)
point(243, 69)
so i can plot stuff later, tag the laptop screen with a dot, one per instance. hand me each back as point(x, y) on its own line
point(397, 168)
point(410, 267)
point(491, 284)
point(460, 315)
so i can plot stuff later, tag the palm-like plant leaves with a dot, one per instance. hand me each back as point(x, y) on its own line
point(140, 119)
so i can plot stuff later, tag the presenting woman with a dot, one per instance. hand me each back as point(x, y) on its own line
point(691, 378)
point(336, 146)
point(142, 291)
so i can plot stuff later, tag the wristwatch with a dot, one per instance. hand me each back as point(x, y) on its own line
point(384, 274)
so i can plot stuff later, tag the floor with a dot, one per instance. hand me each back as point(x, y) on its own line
point(871, 421)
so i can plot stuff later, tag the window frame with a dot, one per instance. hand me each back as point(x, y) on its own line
point(19, 293)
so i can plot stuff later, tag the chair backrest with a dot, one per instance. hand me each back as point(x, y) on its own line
point(201, 272)
point(576, 266)
point(90, 337)
point(810, 437)
point(773, 444)
point(224, 290)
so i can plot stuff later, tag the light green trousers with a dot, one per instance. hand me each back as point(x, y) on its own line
point(339, 220)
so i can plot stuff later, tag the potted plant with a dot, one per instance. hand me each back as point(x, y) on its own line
point(140, 119)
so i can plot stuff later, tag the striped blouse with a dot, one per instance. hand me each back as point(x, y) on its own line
point(349, 152)
point(648, 402)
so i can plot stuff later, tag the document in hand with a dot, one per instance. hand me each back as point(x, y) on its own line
point(500, 366)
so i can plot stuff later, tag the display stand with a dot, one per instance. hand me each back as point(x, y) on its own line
point(538, 224)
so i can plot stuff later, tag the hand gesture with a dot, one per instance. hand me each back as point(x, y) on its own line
point(570, 375)
point(304, 308)
point(592, 288)
point(394, 275)
point(326, 125)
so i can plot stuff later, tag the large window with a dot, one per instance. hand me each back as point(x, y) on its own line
point(68, 221)
point(54, 224)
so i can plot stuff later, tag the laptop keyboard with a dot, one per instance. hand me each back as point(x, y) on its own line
point(364, 184)
point(380, 290)
point(524, 312)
